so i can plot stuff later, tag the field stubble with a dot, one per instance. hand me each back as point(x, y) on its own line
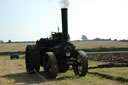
point(97, 44)
point(7, 47)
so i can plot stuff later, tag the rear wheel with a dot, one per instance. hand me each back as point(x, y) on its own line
point(50, 65)
point(81, 66)
point(32, 59)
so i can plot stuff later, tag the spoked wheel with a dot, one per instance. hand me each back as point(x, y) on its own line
point(50, 65)
point(32, 59)
point(81, 66)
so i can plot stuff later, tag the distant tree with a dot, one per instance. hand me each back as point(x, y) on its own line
point(97, 39)
point(9, 41)
point(83, 37)
point(115, 39)
point(110, 39)
point(102, 39)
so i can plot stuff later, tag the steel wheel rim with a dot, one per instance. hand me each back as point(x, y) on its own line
point(79, 66)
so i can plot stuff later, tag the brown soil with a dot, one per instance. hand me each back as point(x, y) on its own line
point(109, 57)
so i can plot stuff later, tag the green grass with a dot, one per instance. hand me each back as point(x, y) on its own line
point(69, 78)
point(116, 72)
point(95, 63)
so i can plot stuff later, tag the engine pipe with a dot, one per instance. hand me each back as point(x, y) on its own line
point(64, 24)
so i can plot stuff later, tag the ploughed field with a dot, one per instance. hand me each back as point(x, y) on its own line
point(13, 72)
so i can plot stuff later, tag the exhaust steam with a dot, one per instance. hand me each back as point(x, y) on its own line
point(64, 3)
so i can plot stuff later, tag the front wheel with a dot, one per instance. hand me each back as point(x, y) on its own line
point(81, 66)
point(50, 65)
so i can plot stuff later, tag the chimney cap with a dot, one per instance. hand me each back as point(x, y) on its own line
point(64, 8)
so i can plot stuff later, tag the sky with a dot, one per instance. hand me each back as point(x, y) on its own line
point(30, 20)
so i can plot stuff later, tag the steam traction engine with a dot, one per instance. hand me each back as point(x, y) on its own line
point(56, 54)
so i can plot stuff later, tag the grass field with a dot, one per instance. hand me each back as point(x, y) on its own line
point(79, 45)
point(8, 47)
point(13, 72)
point(117, 72)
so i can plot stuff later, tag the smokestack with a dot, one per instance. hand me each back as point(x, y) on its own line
point(64, 24)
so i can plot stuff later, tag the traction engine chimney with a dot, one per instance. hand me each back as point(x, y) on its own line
point(64, 24)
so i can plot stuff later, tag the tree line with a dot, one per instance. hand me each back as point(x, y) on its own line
point(10, 41)
point(84, 38)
